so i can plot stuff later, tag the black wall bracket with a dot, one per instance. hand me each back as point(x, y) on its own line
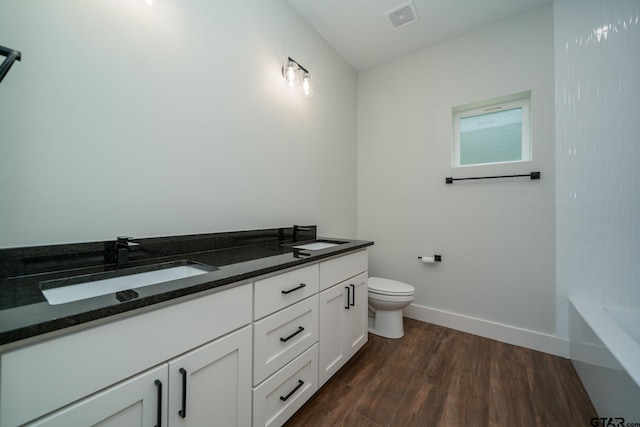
point(11, 56)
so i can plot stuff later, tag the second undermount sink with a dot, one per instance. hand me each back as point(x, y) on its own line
point(316, 246)
point(61, 291)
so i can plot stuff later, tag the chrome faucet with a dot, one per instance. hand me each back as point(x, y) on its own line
point(122, 250)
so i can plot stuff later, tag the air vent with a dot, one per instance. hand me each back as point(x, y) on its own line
point(402, 15)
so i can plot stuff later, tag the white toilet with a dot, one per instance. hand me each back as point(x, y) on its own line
point(387, 298)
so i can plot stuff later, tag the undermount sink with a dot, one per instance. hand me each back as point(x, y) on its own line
point(61, 291)
point(316, 246)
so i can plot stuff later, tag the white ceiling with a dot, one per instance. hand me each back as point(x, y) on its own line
point(361, 33)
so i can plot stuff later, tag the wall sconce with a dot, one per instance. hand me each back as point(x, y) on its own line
point(295, 74)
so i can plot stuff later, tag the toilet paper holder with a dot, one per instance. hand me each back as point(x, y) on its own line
point(435, 258)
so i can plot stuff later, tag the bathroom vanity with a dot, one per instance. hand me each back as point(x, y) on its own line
point(245, 344)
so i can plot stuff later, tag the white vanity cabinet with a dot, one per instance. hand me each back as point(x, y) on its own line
point(304, 338)
point(285, 373)
point(210, 383)
point(248, 354)
point(95, 365)
point(343, 313)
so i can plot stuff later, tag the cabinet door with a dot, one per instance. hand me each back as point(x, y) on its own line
point(211, 385)
point(137, 402)
point(343, 324)
point(333, 352)
point(356, 325)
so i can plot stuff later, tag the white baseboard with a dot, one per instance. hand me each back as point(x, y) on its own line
point(496, 331)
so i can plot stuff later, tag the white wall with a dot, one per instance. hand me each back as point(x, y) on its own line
point(597, 63)
point(496, 237)
point(128, 119)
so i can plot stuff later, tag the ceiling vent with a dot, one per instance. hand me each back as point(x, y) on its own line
point(402, 15)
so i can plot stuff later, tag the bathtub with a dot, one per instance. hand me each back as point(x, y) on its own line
point(605, 350)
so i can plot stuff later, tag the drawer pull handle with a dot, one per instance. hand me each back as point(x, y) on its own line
point(183, 412)
point(302, 285)
point(285, 398)
point(159, 415)
point(348, 297)
point(353, 295)
point(300, 329)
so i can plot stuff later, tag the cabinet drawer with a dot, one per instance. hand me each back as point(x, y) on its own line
point(339, 269)
point(280, 337)
point(276, 399)
point(43, 377)
point(277, 292)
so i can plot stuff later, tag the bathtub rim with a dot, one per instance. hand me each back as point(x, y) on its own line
point(611, 334)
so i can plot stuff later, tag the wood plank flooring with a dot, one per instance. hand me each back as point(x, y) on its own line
point(436, 376)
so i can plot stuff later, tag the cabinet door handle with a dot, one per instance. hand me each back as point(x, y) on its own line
point(159, 415)
point(285, 398)
point(183, 412)
point(302, 285)
point(300, 329)
point(348, 297)
point(353, 295)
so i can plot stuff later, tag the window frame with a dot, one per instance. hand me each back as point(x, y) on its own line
point(520, 100)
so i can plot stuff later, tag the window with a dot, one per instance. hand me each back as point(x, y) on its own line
point(493, 131)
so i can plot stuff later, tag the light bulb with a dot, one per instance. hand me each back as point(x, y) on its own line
point(306, 85)
point(289, 72)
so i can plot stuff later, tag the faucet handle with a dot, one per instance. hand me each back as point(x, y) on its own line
point(124, 241)
point(304, 232)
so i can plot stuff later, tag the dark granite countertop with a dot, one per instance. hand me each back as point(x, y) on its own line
point(238, 256)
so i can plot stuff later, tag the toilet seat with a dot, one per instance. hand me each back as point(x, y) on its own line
point(380, 286)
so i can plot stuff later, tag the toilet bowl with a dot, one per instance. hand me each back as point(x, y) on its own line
point(387, 298)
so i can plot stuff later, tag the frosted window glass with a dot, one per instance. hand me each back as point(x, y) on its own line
point(491, 138)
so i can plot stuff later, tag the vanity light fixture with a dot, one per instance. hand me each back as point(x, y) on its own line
point(292, 70)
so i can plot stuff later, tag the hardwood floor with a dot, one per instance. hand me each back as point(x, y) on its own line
point(436, 376)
